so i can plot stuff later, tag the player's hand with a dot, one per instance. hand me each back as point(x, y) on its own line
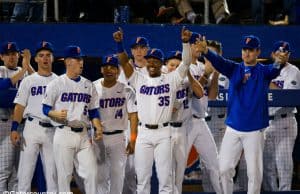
point(59, 115)
point(118, 35)
point(98, 133)
point(26, 58)
point(15, 138)
point(202, 45)
point(281, 57)
point(185, 34)
point(130, 148)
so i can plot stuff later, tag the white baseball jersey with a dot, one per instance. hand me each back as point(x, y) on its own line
point(289, 78)
point(115, 103)
point(5, 113)
point(31, 93)
point(77, 97)
point(155, 96)
point(7, 73)
point(199, 106)
point(122, 77)
point(183, 102)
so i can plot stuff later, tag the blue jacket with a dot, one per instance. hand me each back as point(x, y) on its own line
point(247, 108)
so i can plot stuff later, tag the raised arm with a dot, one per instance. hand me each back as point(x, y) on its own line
point(196, 86)
point(186, 53)
point(26, 61)
point(122, 55)
point(221, 64)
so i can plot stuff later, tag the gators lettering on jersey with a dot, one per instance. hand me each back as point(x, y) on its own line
point(31, 94)
point(77, 97)
point(115, 104)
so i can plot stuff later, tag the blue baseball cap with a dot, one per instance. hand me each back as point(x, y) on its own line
point(110, 60)
point(155, 53)
point(250, 42)
point(73, 51)
point(43, 45)
point(8, 47)
point(282, 46)
point(194, 37)
point(174, 55)
point(140, 41)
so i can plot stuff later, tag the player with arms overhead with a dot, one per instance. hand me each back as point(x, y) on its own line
point(155, 95)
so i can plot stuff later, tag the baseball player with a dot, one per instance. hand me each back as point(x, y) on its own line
point(280, 136)
point(10, 76)
point(139, 48)
point(216, 122)
point(155, 95)
point(199, 134)
point(71, 102)
point(117, 105)
point(38, 131)
point(247, 113)
point(181, 119)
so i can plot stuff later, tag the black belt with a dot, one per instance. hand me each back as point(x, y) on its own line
point(208, 118)
point(196, 117)
point(46, 125)
point(112, 132)
point(149, 126)
point(282, 116)
point(176, 124)
point(74, 129)
point(4, 120)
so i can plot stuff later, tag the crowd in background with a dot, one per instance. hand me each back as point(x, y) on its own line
point(273, 12)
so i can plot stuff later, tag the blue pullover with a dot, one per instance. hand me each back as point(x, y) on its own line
point(247, 108)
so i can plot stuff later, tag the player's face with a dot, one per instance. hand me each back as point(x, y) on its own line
point(250, 56)
point(172, 64)
point(139, 52)
point(154, 67)
point(281, 56)
point(10, 59)
point(195, 48)
point(44, 59)
point(110, 72)
point(75, 65)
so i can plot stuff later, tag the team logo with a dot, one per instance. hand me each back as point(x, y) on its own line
point(138, 39)
point(152, 51)
point(44, 44)
point(78, 50)
point(9, 45)
point(108, 59)
point(294, 82)
point(248, 40)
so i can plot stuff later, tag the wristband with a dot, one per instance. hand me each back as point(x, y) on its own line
point(133, 137)
point(14, 126)
point(120, 47)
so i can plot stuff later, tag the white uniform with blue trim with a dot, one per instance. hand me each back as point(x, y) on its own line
point(199, 134)
point(280, 136)
point(115, 104)
point(72, 147)
point(8, 160)
point(38, 133)
point(180, 123)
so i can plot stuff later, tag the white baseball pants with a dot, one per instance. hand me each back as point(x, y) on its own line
point(200, 136)
point(232, 146)
point(153, 145)
point(74, 149)
point(37, 139)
